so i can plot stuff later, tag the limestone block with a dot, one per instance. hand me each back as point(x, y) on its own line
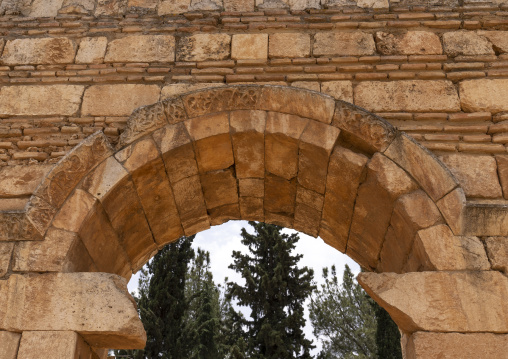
point(344, 175)
point(202, 47)
point(85, 4)
point(53, 344)
point(281, 143)
point(178, 89)
point(219, 188)
point(17, 181)
point(206, 5)
point(5, 257)
point(308, 85)
point(45, 8)
point(96, 305)
point(145, 4)
point(91, 50)
point(54, 50)
point(339, 90)
point(251, 209)
point(499, 39)
point(484, 219)
point(373, 4)
point(110, 7)
point(497, 250)
point(476, 174)
point(239, 5)
point(297, 102)
point(117, 100)
point(249, 46)
point(502, 170)
point(453, 208)
point(10, 344)
point(142, 48)
point(456, 345)
point(74, 211)
point(51, 100)
point(438, 249)
point(169, 7)
point(466, 43)
point(355, 43)
point(459, 302)
point(484, 95)
point(419, 162)
point(307, 219)
point(385, 182)
point(247, 130)
point(309, 198)
point(409, 43)
point(252, 187)
point(407, 95)
point(222, 214)
point(279, 195)
point(316, 144)
point(289, 45)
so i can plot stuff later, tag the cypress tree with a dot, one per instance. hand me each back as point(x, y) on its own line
point(387, 335)
point(275, 291)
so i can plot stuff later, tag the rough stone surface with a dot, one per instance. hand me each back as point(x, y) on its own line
point(407, 95)
point(456, 302)
point(169, 7)
point(177, 89)
point(339, 90)
point(499, 39)
point(497, 250)
point(343, 44)
point(453, 208)
point(142, 48)
point(110, 7)
point(117, 100)
point(53, 344)
point(466, 43)
point(40, 100)
point(249, 46)
point(96, 305)
point(484, 95)
point(10, 344)
point(58, 50)
point(18, 181)
point(239, 5)
point(204, 47)
point(5, 256)
point(410, 43)
point(289, 45)
point(502, 170)
point(91, 50)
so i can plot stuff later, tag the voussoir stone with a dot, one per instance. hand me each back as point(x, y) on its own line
point(410, 43)
point(484, 95)
point(344, 44)
point(54, 50)
point(466, 43)
point(407, 95)
point(202, 47)
point(142, 48)
point(59, 100)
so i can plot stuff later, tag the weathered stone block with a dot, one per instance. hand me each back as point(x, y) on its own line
point(91, 50)
point(308, 85)
point(499, 39)
point(18, 181)
point(339, 90)
point(117, 100)
point(251, 209)
point(410, 43)
point(239, 5)
point(502, 170)
point(178, 89)
point(10, 344)
point(202, 47)
point(466, 43)
point(219, 188)
point(170, 7)
point(53, 344)
point(407, 95)
point(146, 4)
point(54, 50)
point(484, 95)
point(289, 45)
point(142, 48)
point(355, 43)
point(252, 187)
point(45, 8)
point(51, 100)
point(74, 211)
point(309, 198)
point(5, 257)
point(453, 208)
point(110, 7)
point(497, 250)
point(279, 195)
point(206, 5)
point(249, 46)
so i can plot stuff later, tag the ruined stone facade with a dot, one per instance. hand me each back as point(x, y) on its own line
point(379, 126)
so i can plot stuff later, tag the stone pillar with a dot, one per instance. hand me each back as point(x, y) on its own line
point(55, 345)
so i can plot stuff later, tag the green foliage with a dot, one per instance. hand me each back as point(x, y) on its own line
point(343, 318)
point(387, 335)
point(275, 291)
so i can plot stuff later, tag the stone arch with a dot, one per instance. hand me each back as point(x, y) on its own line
point(288, 156)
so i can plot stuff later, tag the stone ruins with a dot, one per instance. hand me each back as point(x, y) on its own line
point(380, 126)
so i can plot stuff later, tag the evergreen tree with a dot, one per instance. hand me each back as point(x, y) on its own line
point(387, 335)
point(275, 291)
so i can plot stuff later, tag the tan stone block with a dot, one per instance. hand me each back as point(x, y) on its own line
point(53, 344)
point(249, 46)
point(117, 100)
point(61, 100)
point(252, 187)
point(45, 8)
point(177, 151)
point(419, 162)
point(345, 172)
point(485, 218)
point(13, 204)
point(477, 175)
point(49, 50)
point(178, 89)
point(289, 45)
point(339, 90)
point(355, 43)
point(92, 50)
point(385, 182)
point(280, 195)
point(310, 198)
point(5, 257)
point(10, 344)
point(409, 43)
point(247, 133)
point(502, 170)
point(457, 43)
point(407, 95)
point(251, 209)
point(225, 213)
point(497, 250)
point(239, 5)
point(207, 126)
point(214, 153)
point(453, 208)
point(219, 188)
point(438, 249)
point(373, 4)
point(155, 193)
point(39, 213)
point(316, 144)
point(307, 219)
point(142, 48)
point(457, 345)
point(96, 305)
point(147, 4)
point(308, 85)
point(484, 95)
point(16, 226)
point(499, 39)
point(282, 220)
point(202, 47)
point(206, 5)
point(191, 205)
point(170, 7)
point(458, 301)
point(110, 7)
point(17, 181)
point(74, 211)
point(281, 143)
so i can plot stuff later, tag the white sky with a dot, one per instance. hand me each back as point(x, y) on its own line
point(222, 240)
